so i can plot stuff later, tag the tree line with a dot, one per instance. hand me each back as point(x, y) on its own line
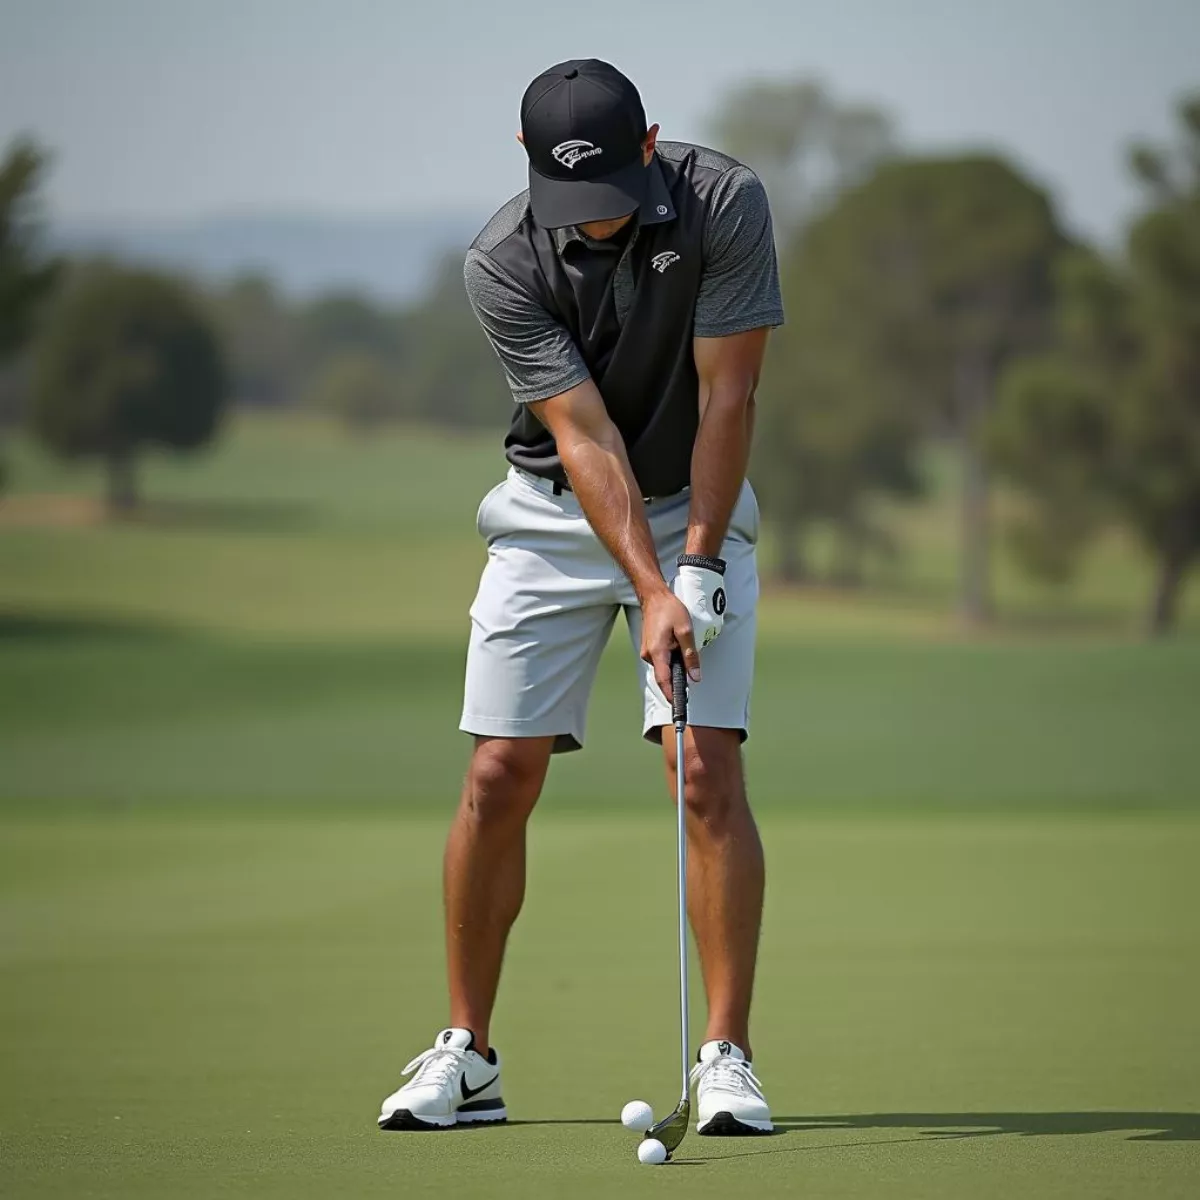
point(942, 297)
point(929, 298)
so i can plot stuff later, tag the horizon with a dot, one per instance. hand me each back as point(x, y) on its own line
point(166, 114)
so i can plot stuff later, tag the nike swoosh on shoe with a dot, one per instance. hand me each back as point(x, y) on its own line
point(469, 1092)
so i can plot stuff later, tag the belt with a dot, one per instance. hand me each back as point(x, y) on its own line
point(556, 488)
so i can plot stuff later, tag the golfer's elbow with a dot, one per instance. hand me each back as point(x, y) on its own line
point(578, 444)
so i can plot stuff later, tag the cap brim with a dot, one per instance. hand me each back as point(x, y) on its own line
point(560, 202)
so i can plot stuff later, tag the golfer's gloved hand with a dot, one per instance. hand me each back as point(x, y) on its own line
point(700, 587)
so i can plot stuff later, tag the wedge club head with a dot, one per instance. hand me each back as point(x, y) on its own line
point(673, 1129)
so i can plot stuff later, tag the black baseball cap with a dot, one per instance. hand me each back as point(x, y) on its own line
point(583, 126)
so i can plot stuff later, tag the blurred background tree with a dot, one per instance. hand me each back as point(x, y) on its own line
point(1107, 425)
point(451, 377)
point(26, 273)
point(359, 361)
point(355, 388)
point(822, 450)
point(128, 360)
point(260, 341)
point(343, 322)
point(914, 289)
point(912, 286)
point(804, 143)
point(831, 438)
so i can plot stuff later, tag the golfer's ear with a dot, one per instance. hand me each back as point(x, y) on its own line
point(520, 137)
point(648, 143)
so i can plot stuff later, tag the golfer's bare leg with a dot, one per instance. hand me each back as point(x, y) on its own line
point(484, 877)
point(725, 875)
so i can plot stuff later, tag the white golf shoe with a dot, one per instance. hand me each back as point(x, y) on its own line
point(453, 1085)
point(729, 1099)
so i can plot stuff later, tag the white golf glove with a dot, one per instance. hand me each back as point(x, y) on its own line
point(700, 587)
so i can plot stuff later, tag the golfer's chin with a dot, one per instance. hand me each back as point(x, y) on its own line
point(601, 230)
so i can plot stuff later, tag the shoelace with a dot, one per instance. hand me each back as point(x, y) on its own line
point(438, 1065)
point(728, 1074)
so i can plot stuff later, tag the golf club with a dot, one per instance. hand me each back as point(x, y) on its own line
point(672, 1130)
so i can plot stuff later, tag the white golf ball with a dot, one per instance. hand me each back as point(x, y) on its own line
point(636, 1115)
point(652, 1151)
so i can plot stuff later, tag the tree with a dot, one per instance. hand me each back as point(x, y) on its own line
point(342, 321)
point(824, 445)
point(127, 360)
point(936, 272)
point(259, 341)
point(450, 375)
point(804, 144)
point(1107, 425)
point(357, 388)
point(26, 276)
point(831, 436)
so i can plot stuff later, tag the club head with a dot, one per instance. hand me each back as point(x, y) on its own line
point(672, 1130)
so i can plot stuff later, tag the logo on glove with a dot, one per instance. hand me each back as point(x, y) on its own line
point(699, 586)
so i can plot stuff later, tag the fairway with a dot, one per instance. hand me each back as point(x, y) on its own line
point(228, 755)
point(992, 1008)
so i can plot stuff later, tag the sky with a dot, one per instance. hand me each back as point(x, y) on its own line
point(167, 110)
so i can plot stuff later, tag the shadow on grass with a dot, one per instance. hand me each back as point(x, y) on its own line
point(1140, 1126)
point(935, 1127)
point(50, 627)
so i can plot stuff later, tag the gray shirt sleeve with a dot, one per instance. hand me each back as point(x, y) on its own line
point(739, 288)
point(540, 359)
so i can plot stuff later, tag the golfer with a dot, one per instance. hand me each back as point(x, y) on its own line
point(628, 295)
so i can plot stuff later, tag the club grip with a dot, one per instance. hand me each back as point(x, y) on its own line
point(679, 683)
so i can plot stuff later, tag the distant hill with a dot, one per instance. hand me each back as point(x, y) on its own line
point(391, 258)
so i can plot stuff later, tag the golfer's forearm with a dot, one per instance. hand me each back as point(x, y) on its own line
point(603, 481)
point(719, 461)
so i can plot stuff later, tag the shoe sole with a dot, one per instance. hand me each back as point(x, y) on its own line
point(725, 1124)
point(487, 1116)
point(403, 1121)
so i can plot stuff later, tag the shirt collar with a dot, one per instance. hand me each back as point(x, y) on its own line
point(657, 208)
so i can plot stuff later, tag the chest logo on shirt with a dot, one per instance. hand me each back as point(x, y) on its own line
point(569, 153)
point(660, 262)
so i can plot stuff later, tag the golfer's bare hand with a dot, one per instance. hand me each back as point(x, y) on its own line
point(665, 625)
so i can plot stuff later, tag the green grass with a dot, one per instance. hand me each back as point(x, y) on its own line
point(292, 529)
point(947, 1008)
point(228, 753)
point(103, 718)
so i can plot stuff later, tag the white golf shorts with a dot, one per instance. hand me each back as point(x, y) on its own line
point(546, 605)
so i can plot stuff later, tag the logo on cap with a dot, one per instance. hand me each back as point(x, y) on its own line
point(660, 262)
point(570, 152)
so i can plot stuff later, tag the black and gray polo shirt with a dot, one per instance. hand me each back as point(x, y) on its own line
point(559, 307)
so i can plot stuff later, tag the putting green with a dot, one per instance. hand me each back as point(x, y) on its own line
point(948, 1007)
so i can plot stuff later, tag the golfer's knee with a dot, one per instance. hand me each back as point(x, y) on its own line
point(504, 780)
point(713, 790)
